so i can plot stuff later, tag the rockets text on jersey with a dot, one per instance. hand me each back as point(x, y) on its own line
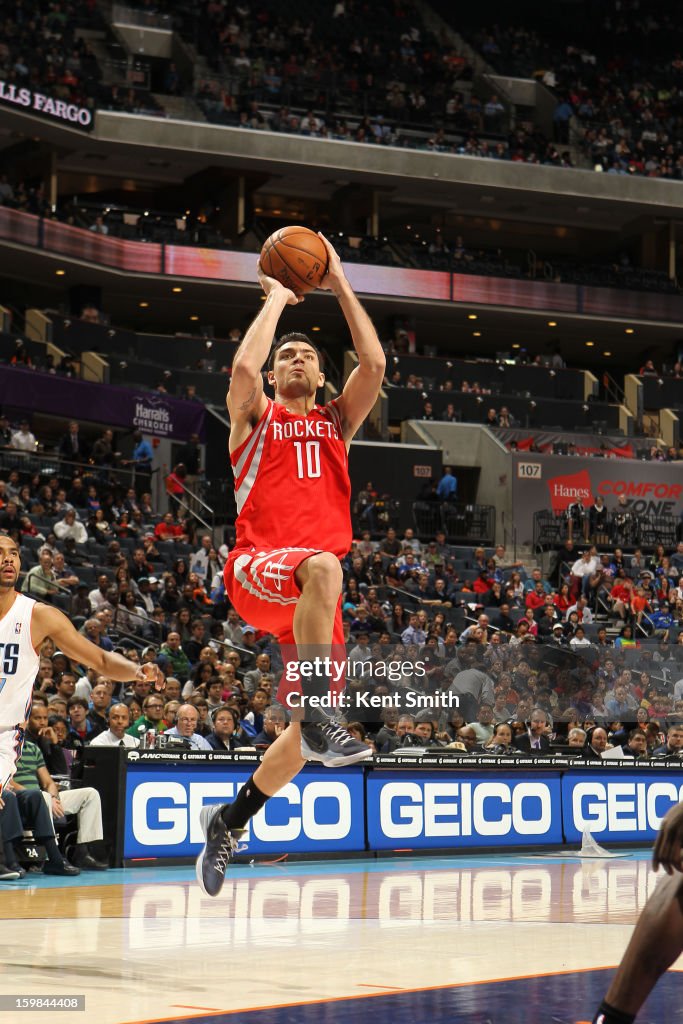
point(292, 483)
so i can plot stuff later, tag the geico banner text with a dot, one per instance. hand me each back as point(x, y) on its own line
point(435, 810)
point(318, 811)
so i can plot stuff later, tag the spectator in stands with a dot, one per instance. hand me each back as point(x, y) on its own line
point(71, 527)
point(169, 529)
point(40, 581)
point(483, 726)
point(224, 735)
point(274, 724)
point(116, 735)
point(175, 485)
point(103, 454)
point(535, 738)
point(83, 802)
point(98, 226)
point(11, 521)
point(673, 748)
point(151, 717)
point(448, 485)
point(72, 447)
point(23, 440)
point(636, 747)
point(187, 720)
point(81, 728)
point(64, 575)
point(173, 658)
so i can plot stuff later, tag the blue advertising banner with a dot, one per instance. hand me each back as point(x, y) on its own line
point(467, 809)
point(628, 807)
point(319, 811)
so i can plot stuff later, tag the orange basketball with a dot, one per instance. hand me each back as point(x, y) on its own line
point(296, 257)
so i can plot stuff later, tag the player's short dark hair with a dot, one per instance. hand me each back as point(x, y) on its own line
point(285, 339)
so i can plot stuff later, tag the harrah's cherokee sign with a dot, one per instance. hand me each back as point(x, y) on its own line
point(148, 411)
point(33, 102)
point(650, 488)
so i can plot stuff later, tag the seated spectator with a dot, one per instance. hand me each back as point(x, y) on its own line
point(187, 720)
point(83, 802)
point(26, 809)
point(225, 723)
point(40, 581)
point(535, 738)
point(173, 658)
point(81, 728)
point(252, 722)
point(274, 724)
point(151, 718)
point(169, 529)
point(71, 527)
point(43, 735)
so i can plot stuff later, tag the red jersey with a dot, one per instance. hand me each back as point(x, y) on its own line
point(292, 484)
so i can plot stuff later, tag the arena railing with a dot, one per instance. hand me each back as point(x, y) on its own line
point(459, 521)
point(624, 530)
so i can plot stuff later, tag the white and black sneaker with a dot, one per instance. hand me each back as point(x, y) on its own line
point(332, 745)
point(220, 845)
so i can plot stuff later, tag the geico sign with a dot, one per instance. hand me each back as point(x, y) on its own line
point(623, 806)
point(166, 813)
point(410, 809)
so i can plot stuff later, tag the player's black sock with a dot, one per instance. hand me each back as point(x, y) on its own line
point(609, 1015)
point(246, 804)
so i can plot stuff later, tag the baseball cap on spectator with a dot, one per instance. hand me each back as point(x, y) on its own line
point(248, 629)
point(558, 625)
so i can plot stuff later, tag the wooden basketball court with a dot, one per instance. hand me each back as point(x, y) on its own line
point(464, 939)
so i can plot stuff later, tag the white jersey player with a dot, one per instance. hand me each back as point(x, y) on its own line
point(24, 624)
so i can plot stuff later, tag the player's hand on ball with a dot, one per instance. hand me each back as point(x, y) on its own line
point(669, 844)
point(153, 673)
point(270, 284)
point(335, 277)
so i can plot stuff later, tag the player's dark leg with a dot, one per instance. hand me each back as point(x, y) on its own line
point(656, 943)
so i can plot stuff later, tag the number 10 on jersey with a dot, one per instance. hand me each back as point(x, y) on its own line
point(307, 459)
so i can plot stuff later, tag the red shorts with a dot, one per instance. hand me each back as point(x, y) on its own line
point(263, 590)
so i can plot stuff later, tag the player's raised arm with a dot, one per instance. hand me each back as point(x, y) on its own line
point(361, 389)
point(245, 399)
point(48, 621)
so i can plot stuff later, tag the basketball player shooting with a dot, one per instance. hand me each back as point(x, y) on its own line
point(657, 940)
point(290, 463)
point(24, 624)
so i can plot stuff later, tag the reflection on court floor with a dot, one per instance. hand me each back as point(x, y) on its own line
point(468, 939)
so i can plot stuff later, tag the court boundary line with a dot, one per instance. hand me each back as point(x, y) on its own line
point(374, 995)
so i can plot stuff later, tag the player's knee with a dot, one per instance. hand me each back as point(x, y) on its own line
point(324, 575)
